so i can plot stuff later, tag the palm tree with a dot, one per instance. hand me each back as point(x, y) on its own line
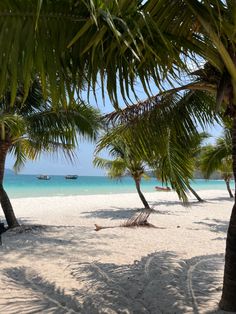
point(119, 41)
point(33, 126)
point(202, 30)
point(219, 157)
point(196, 143)
point(165, 135)
point(125, 163)
point(72, 43)
point(174, 162)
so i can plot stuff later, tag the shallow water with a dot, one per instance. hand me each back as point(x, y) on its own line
point(19, 186)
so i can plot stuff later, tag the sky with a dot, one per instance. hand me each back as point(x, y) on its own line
point(58, 165)
point(83, 165)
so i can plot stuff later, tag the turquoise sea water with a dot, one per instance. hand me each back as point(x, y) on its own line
point(19, 186)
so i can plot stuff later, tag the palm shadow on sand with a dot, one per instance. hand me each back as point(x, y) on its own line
point(168, 203)
point(33, 294)
point(217, 226)
point(221, 198)
point(114, 213)
point(158, 283)
point(121, 213)
point(53, 241)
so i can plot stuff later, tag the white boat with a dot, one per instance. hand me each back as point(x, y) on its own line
point(71, 176)
point(43, 177)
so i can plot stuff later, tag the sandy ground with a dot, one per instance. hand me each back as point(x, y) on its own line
point(64, 266)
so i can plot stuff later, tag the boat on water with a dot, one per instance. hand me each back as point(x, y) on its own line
point(162, 188)
point(71, 177)
point(43, 177)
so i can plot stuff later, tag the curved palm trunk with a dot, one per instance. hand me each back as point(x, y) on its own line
point(141, 218)
point(227, 182)
point(4, 199)
point(195, 194)
point(145, 203)
point(228, 299)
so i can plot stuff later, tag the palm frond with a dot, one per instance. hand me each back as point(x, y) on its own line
point(115, 168)
point(65, 125)
point(218, 156)
point(209, 20)
point(31, 126)
point(11, 125)
point(19, 155)
point(174, 164)
point(70, 44)
point(150, 126)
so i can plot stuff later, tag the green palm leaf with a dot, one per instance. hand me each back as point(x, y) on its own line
point(32, 126)
point(77, 42)
point(219, 156)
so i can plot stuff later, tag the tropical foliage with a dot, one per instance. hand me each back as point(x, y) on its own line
point(219, 157)
point(177, 163)
point(196, 143)
point(166, 136)
point(125, 162)
point(204, 29)
point(33, 126)
point(70, 43)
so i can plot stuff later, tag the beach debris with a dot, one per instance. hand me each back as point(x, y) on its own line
point(97, 227)
point(137, 220)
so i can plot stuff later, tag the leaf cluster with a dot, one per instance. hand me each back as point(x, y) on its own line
point(125, 160)
point(72, 43)
point(34, 126)
point(218, 157)
point(164, 133)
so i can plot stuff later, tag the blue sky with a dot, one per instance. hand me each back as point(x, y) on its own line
point(83, 165)
point(58, 165)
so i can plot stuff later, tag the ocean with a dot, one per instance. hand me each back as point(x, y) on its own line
point(21, 186)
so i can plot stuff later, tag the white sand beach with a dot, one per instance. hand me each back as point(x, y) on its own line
point(61, 265)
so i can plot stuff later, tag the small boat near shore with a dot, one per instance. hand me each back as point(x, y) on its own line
point(71, 177)
point(162, 188)
point(43, 177)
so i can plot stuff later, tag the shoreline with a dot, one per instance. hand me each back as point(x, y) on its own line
point(175, 268)
point(110, 193)
point(28, 186)
point(204, 191)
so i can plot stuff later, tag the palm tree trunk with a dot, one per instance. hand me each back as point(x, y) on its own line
point(228, 299)
point(195, 194)
point(145, 203)
point(4, 199)
point(227, 182)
